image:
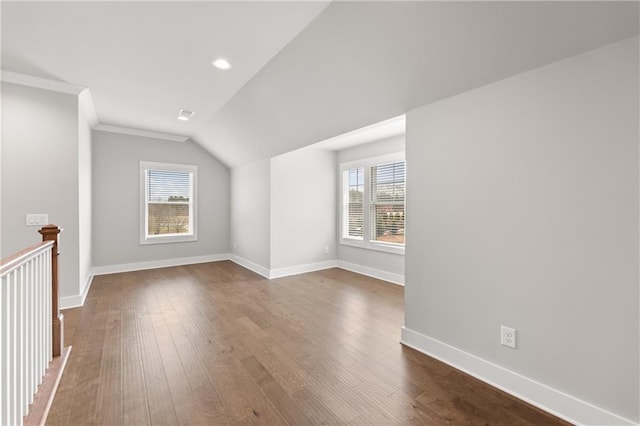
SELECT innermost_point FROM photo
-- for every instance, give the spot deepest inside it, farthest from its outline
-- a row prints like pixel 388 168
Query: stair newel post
pixel 50 233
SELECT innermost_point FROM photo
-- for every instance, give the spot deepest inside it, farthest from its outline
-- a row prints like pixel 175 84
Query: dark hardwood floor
pixel 217 344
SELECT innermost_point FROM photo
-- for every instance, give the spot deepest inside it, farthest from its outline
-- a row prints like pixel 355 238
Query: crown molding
pixel 40 83
pixel 83 93
pixel 140 132
pixel 85 102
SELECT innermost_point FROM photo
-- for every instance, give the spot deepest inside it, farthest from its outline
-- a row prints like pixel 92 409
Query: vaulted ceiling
pixel 302 71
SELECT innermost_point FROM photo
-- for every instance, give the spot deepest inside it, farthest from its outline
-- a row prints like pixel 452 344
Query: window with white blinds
pixel 168 200
pixel 386 203
pixel 373 203
pixel 355 216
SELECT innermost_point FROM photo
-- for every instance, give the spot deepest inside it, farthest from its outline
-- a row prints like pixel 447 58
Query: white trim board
pixel 254 267
pixel 41 83
pixel 140 132
pixel 310 267
pixel 302 269
pixel 372 272
pixel 538 394
pixel 154 264
pixel 77 300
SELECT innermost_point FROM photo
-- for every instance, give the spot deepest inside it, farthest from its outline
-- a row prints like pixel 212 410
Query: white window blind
pixel 387 202
pixel 355 208
pixel 168 202
pixel 373 203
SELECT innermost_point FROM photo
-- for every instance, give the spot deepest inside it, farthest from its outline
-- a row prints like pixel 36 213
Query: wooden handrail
pixel 10 263
pixel 50 233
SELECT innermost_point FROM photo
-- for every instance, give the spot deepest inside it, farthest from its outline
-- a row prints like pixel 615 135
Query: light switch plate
pixel 37 219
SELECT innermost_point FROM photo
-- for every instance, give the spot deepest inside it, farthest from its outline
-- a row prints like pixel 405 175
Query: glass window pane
pixel 388 223
pixel 168 218
pixel 387 213
pixel 168 195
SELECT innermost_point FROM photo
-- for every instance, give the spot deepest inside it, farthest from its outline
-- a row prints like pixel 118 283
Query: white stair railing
pixel 27 288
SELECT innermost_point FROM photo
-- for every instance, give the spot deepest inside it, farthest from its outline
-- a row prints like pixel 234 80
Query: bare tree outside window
pixel 168 202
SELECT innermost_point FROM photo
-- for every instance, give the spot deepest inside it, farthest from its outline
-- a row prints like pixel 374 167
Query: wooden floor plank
pixel 159 402
pixel 134 393
pixel 216 344
pixel 109 405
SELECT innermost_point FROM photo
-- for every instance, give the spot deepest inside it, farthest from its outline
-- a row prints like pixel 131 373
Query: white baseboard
pixel 258 269
pixel 310 267
pixel 252 266
pixel 77 300
pixel 68 302
pixel 301 269
pixel 154 264
pixel 540 395
pixel 87 287
pixel 353 267
pixel 372 272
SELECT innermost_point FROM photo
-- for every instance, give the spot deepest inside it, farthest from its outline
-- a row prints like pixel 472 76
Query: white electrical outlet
pixel 508 336
pixel 37 219
pixel 326 250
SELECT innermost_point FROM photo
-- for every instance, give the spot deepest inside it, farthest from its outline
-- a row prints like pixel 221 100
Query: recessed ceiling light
pixel 221 64
pixel 185 115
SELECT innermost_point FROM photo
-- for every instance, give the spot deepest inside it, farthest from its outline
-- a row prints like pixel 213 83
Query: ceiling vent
pixel 185 115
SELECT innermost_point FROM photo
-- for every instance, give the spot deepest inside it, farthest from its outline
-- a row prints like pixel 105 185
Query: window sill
pixel 372 245
pixel 169 239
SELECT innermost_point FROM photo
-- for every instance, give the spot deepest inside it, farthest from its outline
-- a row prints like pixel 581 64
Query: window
pixel 373 206
pixel 387 202
pixel 355 213
pixel 168 202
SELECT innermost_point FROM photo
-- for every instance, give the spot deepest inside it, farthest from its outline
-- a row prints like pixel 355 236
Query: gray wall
pixel 388 262
pixel 40 172
pixel 303 206
pixel 523 211
pixel 116 199
pixel 250 212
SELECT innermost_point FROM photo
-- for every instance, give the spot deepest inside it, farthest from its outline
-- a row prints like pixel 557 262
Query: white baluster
pixel 19 340
pixel 3 350
pixel 48 316
pixel 29 295
pixel 25 330
pixel 12 348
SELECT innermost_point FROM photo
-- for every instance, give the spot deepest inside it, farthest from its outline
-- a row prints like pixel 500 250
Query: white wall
pixel 116 200
pixel 523 211
pixel 373 149
pixel 40 173
pixel 84 199
pixel 250 214
pixel 303 205
pixel 391 264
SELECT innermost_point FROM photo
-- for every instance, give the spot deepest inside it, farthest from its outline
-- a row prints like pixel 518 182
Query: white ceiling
pixel 303 72
pixel 143 61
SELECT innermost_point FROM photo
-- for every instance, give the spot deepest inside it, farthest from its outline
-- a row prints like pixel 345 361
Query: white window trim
pixel 170 238
pixel 367 243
